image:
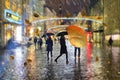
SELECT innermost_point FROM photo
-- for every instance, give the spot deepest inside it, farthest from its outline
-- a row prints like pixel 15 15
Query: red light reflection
pixel 89 51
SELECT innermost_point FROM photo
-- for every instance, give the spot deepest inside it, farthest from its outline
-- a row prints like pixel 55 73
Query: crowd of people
pixel 63 48
pixel 49 47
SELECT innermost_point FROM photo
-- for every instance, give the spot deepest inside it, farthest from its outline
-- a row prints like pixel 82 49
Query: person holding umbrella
pixel 77 49
pixel 63 49
pixel 49 46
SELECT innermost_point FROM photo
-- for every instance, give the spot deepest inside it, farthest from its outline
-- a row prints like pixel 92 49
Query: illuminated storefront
pixel 29 30
pixel 8 31
pixel 12 26
pixel 32 31
pixel 11 21
pixel 98 35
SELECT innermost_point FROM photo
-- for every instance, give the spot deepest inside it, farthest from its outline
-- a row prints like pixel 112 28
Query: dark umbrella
pixel 47 34
pixel 62 33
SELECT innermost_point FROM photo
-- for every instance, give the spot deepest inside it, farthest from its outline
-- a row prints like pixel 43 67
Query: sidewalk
pixel 32 64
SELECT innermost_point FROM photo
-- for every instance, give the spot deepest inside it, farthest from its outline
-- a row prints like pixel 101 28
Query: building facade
pixel 11 21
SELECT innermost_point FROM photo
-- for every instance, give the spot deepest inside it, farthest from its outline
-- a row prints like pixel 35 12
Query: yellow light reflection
pixel 31 63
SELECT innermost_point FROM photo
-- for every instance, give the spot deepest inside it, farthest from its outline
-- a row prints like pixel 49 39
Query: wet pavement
pixel 96 62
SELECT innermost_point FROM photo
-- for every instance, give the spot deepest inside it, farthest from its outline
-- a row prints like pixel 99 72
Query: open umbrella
pixel 47 34
pixel 77 36
pixel 62 33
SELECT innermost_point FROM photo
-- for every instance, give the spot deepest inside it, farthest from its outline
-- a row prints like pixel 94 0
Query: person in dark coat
pixel 49 46
pixel 35 41
pixel 110 41
pixel 77 49
pixel 63 49
pixel 40 42
pixel 29 42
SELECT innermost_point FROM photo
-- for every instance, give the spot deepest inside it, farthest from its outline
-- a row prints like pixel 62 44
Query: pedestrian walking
pixel 29 42
pixel 35 41
pixel 110 41
pixel 40 42
pixel 63 49
pixel 77 49
pixel 49 46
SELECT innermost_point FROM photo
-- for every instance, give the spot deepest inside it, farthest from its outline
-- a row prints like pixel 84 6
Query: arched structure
pixel 95 19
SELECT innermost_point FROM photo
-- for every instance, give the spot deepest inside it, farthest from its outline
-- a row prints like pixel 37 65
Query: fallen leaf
pixel 11 57
pixel 25 63
pixel 29 60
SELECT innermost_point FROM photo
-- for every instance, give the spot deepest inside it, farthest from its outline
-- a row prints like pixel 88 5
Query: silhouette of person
pixel 29 42
pixel 63 49
pixel 40 42
pixel 35 41
pixel 49 45
pixel 110 41
pixel 77 49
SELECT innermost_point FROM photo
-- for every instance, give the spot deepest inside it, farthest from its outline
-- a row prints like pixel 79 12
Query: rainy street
pixel 95 63
pixel 59 39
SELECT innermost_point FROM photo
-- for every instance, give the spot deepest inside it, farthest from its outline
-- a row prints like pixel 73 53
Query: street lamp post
pixel 23 16
pixel 60 13
pixel 103 38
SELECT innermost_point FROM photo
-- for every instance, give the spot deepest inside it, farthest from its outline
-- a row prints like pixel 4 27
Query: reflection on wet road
pixel 96 62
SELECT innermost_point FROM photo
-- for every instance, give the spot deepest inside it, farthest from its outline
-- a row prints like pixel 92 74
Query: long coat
pixel 63 48
pixel 110 41
pixel 49 43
